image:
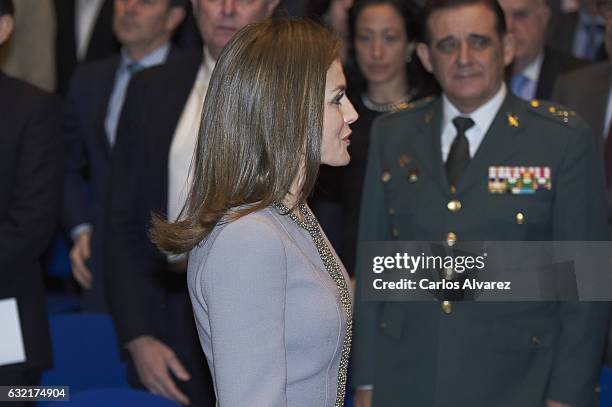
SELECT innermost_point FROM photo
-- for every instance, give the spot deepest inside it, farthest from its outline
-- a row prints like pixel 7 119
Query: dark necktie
pixel 459 155
pixel 608 156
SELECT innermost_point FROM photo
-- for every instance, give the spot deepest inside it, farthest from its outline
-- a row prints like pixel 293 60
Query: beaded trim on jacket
pixel 311 225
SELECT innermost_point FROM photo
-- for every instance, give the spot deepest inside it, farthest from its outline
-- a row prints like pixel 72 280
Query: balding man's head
pixel 219 20
pixel 527 20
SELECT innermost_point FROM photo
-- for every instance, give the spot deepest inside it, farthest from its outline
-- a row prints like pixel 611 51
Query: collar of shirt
pixel 85 14
pixel 208 63
pixel 204 72
pixel 532 71
pixel 156 57
pixel 483 117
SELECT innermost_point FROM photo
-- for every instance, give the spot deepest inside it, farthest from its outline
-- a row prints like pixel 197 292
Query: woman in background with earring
pixel 383 35
pixel 271 299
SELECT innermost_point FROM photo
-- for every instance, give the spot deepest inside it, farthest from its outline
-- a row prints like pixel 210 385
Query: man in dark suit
pixel 30 190
pixel 428 180
pixel 155 141
pixel 92 109
pixel 84 33
pixel 589 92
pixel 535 66
pixel 579 33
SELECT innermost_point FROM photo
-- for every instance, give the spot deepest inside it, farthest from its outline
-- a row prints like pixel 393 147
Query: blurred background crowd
pixel 110 79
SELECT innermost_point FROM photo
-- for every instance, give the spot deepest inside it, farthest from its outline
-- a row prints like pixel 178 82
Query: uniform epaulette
pixel 554 112
pixel 411 107
pixel 417 104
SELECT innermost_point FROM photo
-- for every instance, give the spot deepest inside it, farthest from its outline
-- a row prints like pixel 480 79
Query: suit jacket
pixel 563 31
pixel 586 91
pixel 30 189
pixel 554 64
pixel 88 160
pixel 145 297
pixel 102 43
pixel 278 291
pixel 476 354
pixel 139 187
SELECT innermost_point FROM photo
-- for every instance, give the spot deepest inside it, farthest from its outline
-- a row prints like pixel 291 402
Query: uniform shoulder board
pixel 410 107
pixel 419 103
pixel 554 112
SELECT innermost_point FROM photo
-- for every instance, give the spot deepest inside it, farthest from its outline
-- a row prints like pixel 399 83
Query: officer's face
pixel 527 20
pixel 219 20
pixel 337 115
pixel 466 54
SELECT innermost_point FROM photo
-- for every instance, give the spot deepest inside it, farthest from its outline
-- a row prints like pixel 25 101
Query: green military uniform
pixel 480 354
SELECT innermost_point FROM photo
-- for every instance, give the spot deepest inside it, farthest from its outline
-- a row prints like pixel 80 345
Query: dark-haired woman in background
pixel 389 77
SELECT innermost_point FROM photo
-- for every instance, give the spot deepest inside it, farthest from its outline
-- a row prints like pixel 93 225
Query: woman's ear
pixel 6 27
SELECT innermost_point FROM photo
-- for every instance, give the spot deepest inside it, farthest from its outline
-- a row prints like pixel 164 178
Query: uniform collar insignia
pixel 513 120
pixel 428 116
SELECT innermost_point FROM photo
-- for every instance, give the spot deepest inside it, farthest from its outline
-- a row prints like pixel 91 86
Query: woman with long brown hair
pixel 270 296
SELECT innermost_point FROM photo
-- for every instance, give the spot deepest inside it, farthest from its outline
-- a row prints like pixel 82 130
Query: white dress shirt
pixel 483 117
pixel 85 14
pixel 532 72
pixel 185 139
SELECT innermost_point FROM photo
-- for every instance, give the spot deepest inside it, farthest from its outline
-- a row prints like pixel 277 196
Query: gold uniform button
pixel 535 340
pixel 447 307
pixel 449 273
pixel 535 103
pixel 451 238
pixel 520 218
pixel 412 177
pixel 386 176
pixel 454 206
pixel 391 211
pixel 453 189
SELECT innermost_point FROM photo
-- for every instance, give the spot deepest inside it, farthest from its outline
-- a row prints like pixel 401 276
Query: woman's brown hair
pixel 263 112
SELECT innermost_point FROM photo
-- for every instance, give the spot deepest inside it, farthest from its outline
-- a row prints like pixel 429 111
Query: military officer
pixel 428 179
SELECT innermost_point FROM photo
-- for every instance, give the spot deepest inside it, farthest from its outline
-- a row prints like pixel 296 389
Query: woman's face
pixel 338 114
pixel 381 43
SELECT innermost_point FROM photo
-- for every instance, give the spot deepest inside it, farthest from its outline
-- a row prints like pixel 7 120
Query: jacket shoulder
pixel 19 96
pixel 410 111
pixel 180 64
pixel 586 74
pixel 557 114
